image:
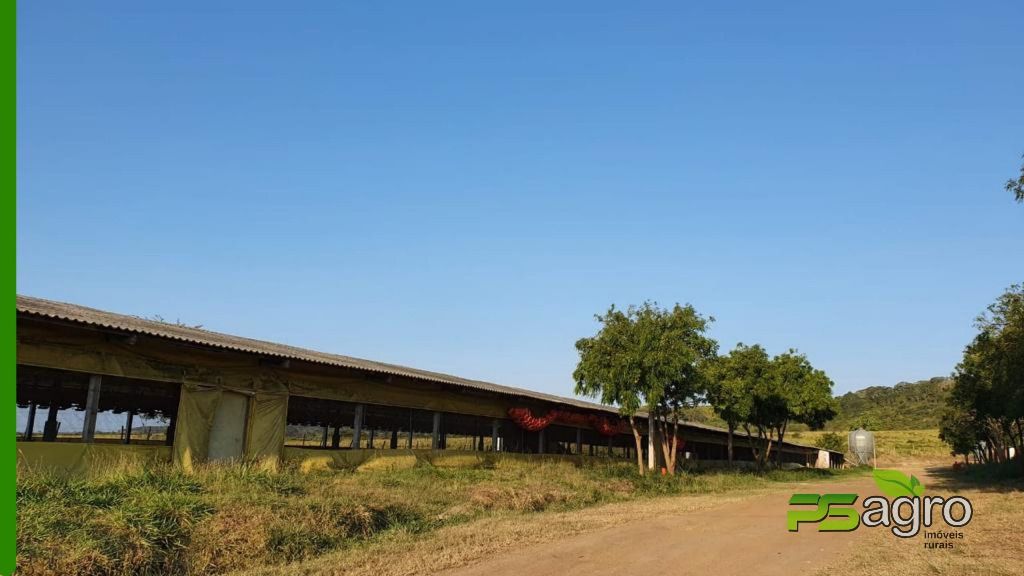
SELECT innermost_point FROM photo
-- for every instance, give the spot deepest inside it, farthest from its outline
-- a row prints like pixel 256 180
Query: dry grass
pixel 402 553
pixel 992 545
pixel 894 447
pixel 158 520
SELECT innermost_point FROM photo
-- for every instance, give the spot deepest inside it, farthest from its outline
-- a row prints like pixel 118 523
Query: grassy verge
pixel 223 519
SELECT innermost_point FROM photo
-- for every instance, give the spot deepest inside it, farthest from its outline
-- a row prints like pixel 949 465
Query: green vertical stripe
pixel 8 523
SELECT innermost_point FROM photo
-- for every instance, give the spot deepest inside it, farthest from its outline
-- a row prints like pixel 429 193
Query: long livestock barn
pixel 221 397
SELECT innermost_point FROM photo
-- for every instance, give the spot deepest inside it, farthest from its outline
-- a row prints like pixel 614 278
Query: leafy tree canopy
pixel 808 391
pixel 645 355
pixel 732 378
pixel 987 400
pixel 1016 187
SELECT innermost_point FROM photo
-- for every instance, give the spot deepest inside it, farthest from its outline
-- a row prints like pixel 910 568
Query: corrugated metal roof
pixel 133 324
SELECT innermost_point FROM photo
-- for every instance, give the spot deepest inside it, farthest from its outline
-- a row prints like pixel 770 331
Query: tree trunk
pixel 778 450
pixel 669 441
pixel 652 452
pixel 1020 435
pixel 765 436
pixel 732 430
pixel 1020 443
pixel 754 447
pixel 662 440
pixel 638 440
pixel 675 441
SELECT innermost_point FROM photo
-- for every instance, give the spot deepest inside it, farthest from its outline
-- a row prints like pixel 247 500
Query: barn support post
pixel 323 439
pixel 31 422
pixel 172 423
pixel 435 437
pixel 357 427
pixel 394 438
pixel 579 441
pixel 336 437
pixel 494 435
pixel 611 452
pixel 92 404
pixel 540 441
pixel 51 426
pixel 408 442
pixel 128 426
pixel 370 442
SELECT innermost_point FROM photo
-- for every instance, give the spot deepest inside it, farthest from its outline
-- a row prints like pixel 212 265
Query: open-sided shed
pixel 228 397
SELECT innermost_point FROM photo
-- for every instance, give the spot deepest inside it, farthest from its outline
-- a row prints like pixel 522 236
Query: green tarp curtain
pixel 196 409
pixel 265 425
pixel 268 418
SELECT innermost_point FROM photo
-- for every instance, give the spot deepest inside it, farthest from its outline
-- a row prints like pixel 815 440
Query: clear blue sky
pixel 461 186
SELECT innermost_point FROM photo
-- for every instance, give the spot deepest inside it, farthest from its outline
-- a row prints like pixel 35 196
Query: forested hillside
pixel 905 406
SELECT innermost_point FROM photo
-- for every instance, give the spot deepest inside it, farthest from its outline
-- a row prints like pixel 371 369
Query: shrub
pixel 831 441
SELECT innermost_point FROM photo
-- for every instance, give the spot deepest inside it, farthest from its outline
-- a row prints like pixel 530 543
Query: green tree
pixel 959 429
pixel 1016 187
pixel 831 441
pixel 765 395
pixel 731 379
pixel 769 410
pixel 647 356
pixel 807 393
pixel 989 381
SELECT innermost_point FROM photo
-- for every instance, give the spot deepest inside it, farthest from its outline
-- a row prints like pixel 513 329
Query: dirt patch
pixel 727 539
pixel 586 541
pixel 992 544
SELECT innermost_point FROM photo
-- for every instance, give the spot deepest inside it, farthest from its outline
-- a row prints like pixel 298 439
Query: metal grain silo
pixel 862 446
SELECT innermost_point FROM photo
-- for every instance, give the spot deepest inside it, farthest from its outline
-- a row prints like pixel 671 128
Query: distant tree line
pixel 985 412
pixel 658 360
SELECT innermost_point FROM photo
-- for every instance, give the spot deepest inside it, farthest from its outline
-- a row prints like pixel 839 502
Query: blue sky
pixel 461 186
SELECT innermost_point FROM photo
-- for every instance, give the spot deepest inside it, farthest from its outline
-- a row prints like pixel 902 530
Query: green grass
pixel 162 521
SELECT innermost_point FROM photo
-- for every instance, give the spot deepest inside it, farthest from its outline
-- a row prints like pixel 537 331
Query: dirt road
pixel 746 537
